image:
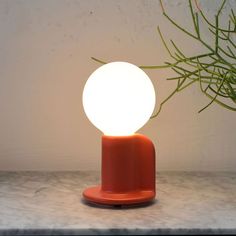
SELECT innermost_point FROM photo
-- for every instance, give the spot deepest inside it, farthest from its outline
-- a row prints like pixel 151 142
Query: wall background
pixel 45 49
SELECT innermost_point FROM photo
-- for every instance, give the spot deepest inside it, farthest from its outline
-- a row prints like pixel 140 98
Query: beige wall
pixel 45 50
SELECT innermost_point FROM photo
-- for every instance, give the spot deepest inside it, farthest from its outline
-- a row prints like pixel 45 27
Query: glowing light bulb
pixel 119 98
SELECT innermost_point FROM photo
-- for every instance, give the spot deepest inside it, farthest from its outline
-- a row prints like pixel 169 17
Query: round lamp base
pixel 96 195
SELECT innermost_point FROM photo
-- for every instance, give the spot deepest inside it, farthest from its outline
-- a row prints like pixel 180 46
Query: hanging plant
pixel 214 70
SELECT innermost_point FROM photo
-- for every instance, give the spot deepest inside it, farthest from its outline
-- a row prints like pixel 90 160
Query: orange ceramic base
pixel 128 172
pixel 96 195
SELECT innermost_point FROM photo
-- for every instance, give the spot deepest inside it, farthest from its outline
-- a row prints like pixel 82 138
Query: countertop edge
pixel 120 231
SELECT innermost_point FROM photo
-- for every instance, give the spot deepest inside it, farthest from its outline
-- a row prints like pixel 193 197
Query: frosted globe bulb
pixel 119 98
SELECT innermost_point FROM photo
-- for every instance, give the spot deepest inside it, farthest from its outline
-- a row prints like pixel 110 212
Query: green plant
pixel 214 70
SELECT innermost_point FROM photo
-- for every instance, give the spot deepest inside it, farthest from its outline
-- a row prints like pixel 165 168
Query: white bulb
pixel 119 98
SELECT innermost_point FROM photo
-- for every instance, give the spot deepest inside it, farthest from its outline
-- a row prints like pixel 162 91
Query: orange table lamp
pixel 119 98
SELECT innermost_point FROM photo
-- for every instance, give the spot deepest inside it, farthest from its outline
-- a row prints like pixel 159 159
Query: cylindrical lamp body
pixel 128 171
pixel 128 163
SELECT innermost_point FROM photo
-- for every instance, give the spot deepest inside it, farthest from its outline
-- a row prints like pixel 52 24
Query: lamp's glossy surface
pixel 128 171
pixel 119 98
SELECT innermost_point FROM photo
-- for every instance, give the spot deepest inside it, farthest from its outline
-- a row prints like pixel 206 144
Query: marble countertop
pixel 46 203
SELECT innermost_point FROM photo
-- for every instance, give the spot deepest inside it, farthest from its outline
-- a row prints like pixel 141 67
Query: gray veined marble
pixel 44 203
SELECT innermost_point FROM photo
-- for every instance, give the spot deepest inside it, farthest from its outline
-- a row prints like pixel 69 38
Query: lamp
pixel 119 98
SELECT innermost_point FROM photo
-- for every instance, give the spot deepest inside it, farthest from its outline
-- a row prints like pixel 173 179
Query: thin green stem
pixel 214 98
pixel 98 60
pixel 166 99
pixel 196 26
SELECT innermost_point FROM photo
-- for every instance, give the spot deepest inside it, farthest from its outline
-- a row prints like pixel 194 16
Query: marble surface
pixel 46 203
